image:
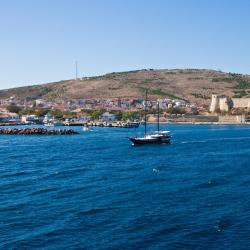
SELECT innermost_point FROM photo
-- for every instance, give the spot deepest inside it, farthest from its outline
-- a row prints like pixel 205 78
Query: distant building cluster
pixel 108 104
pixel 78 106
pixel 6 116
pixel 222 103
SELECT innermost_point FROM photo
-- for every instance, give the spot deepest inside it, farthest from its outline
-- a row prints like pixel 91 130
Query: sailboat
pixel 158 137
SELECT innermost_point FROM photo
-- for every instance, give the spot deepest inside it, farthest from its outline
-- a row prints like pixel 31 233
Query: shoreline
pixel 170 123
pixel 202 123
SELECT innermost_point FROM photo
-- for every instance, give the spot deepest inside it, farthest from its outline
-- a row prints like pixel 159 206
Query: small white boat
pixel 86 128
pixel 49 124
pixel 50 121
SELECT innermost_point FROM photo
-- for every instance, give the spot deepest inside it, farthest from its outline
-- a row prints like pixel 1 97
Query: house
pixel 6 116
pixel 9 118
pixel 108 117
pixel 30 119
pixel 41 103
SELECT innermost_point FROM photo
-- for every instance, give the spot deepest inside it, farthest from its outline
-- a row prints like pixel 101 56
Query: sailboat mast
pixel 158 117
pixel 76 64
pixel 145 114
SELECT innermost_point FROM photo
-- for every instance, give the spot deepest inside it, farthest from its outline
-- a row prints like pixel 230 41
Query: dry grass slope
pixel 194 85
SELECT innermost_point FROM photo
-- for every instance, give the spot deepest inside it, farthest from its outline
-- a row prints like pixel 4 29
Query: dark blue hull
pixel 140 141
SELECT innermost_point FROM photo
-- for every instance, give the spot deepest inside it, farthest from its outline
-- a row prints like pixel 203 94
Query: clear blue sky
pixel 40 40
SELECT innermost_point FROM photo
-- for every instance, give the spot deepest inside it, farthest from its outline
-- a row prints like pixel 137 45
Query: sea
pixel 96 191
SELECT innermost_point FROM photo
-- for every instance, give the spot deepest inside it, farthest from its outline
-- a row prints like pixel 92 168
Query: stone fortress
pixel 224 103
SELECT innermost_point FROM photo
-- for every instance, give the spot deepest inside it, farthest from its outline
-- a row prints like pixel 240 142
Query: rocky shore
pixel 36 131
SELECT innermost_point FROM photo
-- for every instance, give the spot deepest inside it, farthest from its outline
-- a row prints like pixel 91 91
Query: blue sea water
pixel 95 191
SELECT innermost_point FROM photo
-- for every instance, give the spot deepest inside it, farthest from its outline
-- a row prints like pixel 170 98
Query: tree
pixel 118 115
pixel 176 110
pixel 68 114
pixel 130 115
pixel 127 115
pixel 14 108
pixel 41 112
pixel 96 114
pixel 27 111
pixel 58 114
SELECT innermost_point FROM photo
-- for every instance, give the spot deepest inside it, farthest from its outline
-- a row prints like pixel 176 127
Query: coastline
pixel 202 123
pixel 170 123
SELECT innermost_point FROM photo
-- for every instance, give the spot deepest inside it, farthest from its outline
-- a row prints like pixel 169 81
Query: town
pixel 13 111
pixel 81 111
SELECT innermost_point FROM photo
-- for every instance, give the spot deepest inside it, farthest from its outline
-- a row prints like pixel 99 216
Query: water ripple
pixel 95 191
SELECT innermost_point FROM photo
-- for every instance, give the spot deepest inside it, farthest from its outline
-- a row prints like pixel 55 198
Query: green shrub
pixel 14 108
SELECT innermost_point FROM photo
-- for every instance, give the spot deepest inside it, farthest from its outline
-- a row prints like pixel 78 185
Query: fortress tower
pixel 225 103
pixel 220 103
pixel 214 103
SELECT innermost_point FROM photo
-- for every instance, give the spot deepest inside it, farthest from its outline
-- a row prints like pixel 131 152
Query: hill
pixel 193 85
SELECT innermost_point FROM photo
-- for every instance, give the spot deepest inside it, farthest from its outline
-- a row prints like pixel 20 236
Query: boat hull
pixel 143 141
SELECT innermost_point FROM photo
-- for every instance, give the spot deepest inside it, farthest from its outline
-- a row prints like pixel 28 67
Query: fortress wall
pixel 231 118
pixel 197 118
pixel 241 102
pixel 224 103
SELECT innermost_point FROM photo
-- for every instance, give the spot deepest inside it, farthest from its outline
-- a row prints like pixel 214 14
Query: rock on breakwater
pixel 36 131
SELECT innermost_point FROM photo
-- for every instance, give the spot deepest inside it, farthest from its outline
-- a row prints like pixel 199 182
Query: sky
pixel 41 40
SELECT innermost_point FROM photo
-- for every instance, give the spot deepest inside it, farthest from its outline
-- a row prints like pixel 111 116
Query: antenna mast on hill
pixel 76 64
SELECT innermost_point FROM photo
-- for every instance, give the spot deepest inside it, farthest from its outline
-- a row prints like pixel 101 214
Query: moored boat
pixel 158 137
pixel 86 128
pixel 50 121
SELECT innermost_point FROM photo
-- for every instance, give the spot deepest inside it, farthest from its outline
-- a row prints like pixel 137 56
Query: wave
pixel 43 191
pixel 217 139
pixel 18 173
pixel 93 211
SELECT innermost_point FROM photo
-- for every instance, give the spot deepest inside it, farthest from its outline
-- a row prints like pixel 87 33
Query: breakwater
pixel 36 131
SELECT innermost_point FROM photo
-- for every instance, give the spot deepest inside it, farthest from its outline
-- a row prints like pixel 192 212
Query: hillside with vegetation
pixel 193 85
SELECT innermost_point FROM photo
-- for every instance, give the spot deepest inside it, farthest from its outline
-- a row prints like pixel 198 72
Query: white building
pixel 27 119
pixel 108 117
pixel 11 118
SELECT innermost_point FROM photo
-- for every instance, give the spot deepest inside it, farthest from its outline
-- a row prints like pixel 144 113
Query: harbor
pixel 125 125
